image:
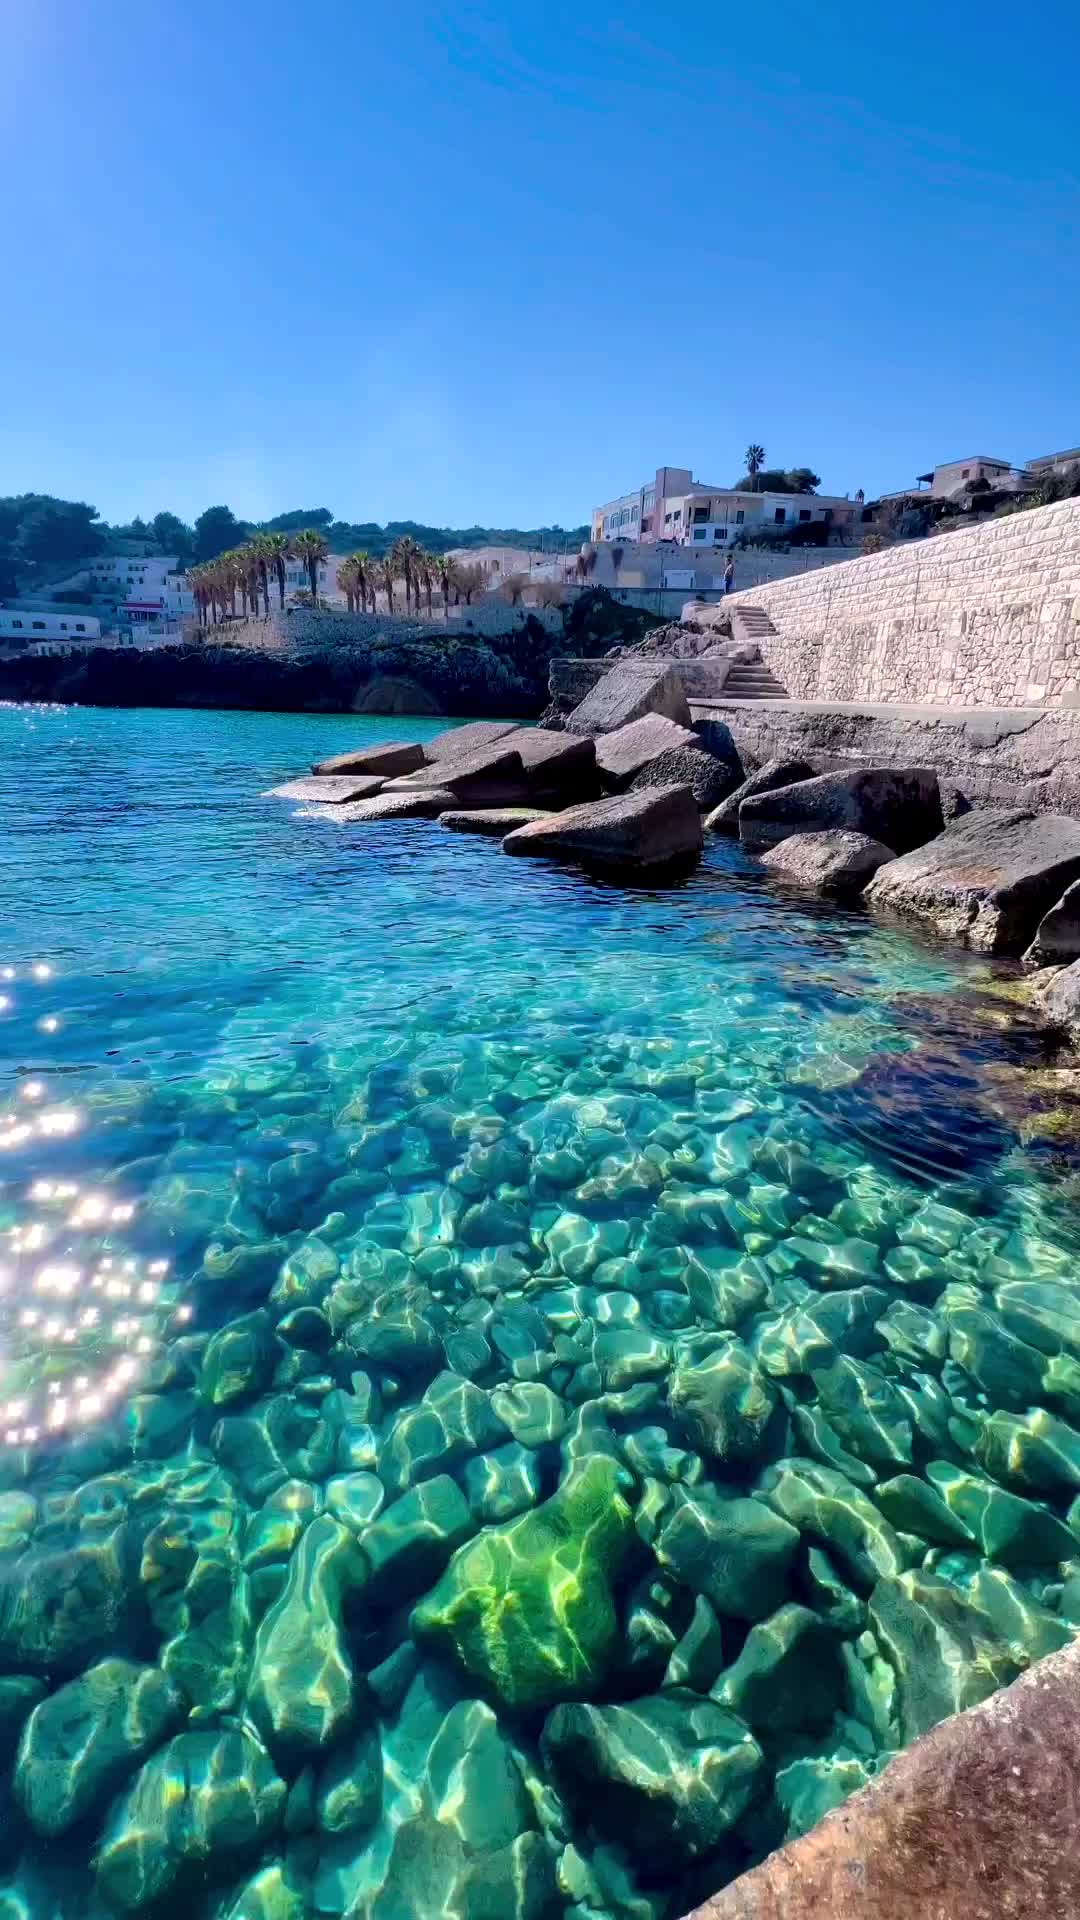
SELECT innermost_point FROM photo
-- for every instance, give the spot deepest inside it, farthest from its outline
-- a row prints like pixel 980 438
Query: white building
pixel 144 588
pixel 679 508
pixel 30 630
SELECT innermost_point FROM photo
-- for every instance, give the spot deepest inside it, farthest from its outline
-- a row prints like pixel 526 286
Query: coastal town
pixel 665 542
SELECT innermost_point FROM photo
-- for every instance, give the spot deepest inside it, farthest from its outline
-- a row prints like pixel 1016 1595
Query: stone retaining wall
pixel 305 631
pixel 1026 757
pixel 570 680
pixel 988 616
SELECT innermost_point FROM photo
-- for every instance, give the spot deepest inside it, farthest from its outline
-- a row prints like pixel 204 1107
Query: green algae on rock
pixel 527 1608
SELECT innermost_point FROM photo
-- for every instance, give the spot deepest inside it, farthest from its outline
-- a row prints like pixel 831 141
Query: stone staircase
pixel 749 677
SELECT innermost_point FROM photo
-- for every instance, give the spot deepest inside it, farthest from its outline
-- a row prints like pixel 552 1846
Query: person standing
pixel 729 575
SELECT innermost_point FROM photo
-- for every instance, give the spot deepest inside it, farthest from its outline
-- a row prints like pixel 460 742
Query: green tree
pixel 50 531
pixel 311 547
pixel 405 555
pixel 172 535
pixel 216 531
pixel 264 559
pixel 755 460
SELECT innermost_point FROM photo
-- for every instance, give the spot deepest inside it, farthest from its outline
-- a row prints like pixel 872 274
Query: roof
pixel 1049 459
pixel 969 459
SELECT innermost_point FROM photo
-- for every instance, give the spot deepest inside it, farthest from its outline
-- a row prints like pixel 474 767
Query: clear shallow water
pixel 545 1385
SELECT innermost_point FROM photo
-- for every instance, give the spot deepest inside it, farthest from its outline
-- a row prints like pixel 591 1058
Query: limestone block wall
pixel 989 616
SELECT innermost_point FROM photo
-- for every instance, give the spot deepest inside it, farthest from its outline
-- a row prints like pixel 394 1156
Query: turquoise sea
pixel 517 1394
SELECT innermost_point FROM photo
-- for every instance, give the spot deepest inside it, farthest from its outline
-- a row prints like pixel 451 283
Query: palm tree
pixel 250 565
pixel 405 555
pixel 385 573
pixel 755 460
pixel 360 561
pixel 425 574
pixel 310 546
pixel 348 581
pixel 276 548
pixel 264 560
pixel 444 573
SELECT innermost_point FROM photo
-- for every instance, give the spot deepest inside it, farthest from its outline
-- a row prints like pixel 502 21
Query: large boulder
pixel 1057 939
pixel 488 777
pixel 560 767
pixel 835 861
pixel 331 789
pixel 620 756
pixel 632 689
pixel 708 779
pixel 496 822
pixel 420 803
pixel 390 758
pixel 627 831
pixel 988 880
pixel 772 774
pixel 665 1776
pixel 457 743
pixel 1055 997
pixel 900 806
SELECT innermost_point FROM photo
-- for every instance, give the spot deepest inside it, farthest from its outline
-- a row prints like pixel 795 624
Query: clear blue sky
pixel 496 262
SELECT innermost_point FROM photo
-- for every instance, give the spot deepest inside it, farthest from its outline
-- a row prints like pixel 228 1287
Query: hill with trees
pixel 40 533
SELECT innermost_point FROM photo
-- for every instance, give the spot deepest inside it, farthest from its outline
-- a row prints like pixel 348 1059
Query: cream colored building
pixel 678 508
pixel 953 475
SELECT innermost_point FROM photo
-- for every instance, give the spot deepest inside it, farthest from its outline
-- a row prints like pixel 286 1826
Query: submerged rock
pixel 666 1776
pixel 736 1551
pixel 527 1608
pixel 194 1812
pixel 788 1674
pixel 302 1686
pixel 722 1401
pixel 80 1744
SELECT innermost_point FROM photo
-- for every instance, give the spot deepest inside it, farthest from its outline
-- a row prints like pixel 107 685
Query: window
pixel 965 473
pixel 80 626
pixel 646 524
pixel 677 515
pixel 16 623
pixel 700 514
pixel 719 533
pixel 804 513
pixel 633 513
pixel 700 533
pixel 38 625
pixel 667 519
pixel 739 516
pixel 63 626
pixel 780 516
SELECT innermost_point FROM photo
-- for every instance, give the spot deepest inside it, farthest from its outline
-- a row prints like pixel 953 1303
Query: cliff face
pixel 455 677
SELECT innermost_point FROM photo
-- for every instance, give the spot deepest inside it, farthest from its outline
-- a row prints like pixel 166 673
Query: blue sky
pixel 495 263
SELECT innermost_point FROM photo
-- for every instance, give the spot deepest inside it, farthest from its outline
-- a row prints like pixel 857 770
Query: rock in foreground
pixel 900 806
pixel 708 778
pixel 773 774
pixel 489 777
pixel 630 690
pixel 333 789
pixel 1057 941
pixel 391 758
pixel 627 832
pixel 561 765
pixel 837 861
pixel 419 803
pixel 1055 996
pixel 976 1821
pixel 988 880
pixel 457 743
pixel 637 747
pixel 495 821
